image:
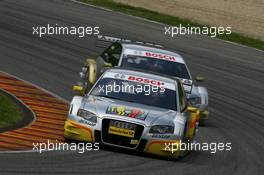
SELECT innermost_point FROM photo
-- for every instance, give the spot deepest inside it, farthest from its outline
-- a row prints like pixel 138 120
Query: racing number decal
pixel 126 111
pixel 120 110
pixel 134 113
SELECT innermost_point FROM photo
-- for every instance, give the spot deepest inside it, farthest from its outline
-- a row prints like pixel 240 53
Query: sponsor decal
pixel 121 131
pixel 146 81
pixel 161 136
pixel 143 80
pixel 127 112
pixel 156 55
pixel 122 128
pixel 160 56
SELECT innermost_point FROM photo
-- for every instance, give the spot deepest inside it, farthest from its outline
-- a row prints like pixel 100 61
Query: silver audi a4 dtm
pixel 149 57
pixel 134 110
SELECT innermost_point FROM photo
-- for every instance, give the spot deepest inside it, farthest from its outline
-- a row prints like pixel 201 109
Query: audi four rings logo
pixel 123 125
pixel 122 76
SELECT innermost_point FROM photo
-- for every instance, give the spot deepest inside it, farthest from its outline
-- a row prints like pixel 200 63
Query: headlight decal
pixel 91 117
pixel 161 136
pixel 162 129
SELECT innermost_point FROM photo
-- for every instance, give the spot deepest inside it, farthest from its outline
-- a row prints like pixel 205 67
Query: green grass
pixel 172 20
pixel 9 112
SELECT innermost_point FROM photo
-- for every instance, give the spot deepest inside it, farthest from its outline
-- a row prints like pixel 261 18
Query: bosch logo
pixel 145 81
pixel 160 56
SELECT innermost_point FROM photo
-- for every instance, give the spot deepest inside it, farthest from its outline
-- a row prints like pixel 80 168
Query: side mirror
pixel 195 111
pixel 199 78
pixel 91 70
pixel 78 89
pixel 192 109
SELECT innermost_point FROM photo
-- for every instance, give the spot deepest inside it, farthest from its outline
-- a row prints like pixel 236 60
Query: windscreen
pixel 135 92
pixel 158 65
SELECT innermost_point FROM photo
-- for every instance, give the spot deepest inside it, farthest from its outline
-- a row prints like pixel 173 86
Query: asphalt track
pixel 234 78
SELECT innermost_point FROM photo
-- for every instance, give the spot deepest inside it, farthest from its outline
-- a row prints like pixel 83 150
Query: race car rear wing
pixel 110 39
